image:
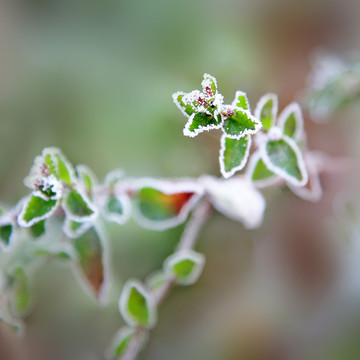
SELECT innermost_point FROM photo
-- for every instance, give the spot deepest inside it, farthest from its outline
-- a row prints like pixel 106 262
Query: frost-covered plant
pixel 62 217
pixel 332 84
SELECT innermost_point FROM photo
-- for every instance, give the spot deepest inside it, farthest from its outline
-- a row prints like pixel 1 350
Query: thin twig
pixel 187 242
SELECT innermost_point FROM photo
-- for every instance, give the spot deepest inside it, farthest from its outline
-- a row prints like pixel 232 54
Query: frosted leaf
pixel 73 229
pixel 55 249
pixel 200 122
pixel 6 229
pixel 162 204
pixel 233 154
pixel 186 109
pixel 284 158
pixel 87 178
pixel 49 173
pixel 201 108
pixel 92 269
pixel 239 122
pixel 114 177
pixel 186 266
pixel 241 101
pixel 121 341
pixel 312 191
pixel 291 122
pixel 78 206
pixel 258 173
pixel 266 110
pixel 236 198
pixel 117 208
pixel 137 305
pixel 209 85
pixel 36 209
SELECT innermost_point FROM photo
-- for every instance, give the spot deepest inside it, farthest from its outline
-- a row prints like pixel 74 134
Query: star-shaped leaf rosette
pixel 206 111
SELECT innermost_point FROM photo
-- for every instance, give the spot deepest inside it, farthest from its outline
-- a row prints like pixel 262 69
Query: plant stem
pixel 187 242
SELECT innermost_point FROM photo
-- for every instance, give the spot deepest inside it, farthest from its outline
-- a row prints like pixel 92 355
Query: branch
pixel 187 242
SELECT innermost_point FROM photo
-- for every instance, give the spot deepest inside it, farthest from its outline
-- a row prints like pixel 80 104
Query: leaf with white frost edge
pixel 312 191
pixel 137 305
pixel 282 156
pixel 238 123
pixel 241 101
pixel 233 154
pixel 36 209
pixel 73 229
pixel 87 178
pixel 291 122
pixel 7 229
pixel 93 270
pixel 186 266
pixel 78 207
pixel 258 173
pixel 238 199
pixel 200 122
pixel 266 110
pixel 121 341
pixel 117 209
pixel 114 177
pixel 162 204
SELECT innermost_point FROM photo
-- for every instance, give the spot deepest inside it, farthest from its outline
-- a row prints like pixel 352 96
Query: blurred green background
pixel 95 78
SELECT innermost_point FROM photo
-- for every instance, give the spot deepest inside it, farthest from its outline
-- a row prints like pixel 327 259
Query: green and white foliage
pixel 137 305
pixel 206 111
pixel 121 341
pixel 92 267
pixel 332 85
pixel 185 266
pixel 279 143
pixel 115 204
pixel 162 204
pixel 237 199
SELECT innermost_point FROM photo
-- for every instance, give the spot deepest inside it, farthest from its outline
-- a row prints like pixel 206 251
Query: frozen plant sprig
pixel 63 217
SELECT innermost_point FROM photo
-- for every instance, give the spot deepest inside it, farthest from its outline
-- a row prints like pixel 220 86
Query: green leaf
pixel 87 178
pixel 92 268
pixel 117 209
pixel 291 122
pixel 78 207
pixel 36 209
pixel 241 101
pixel 233 154
pixel 186 109
pixel 21 292
pixel 74 229
pixel 258 172
pixel 185 266
pixel 38 229
pixel 200 122
pixel 121 341
pixel 160 204
pixel 284 158
pixel 239 123
pixel 137 305
pixel 5 233
pixel 59 165
pixel 266 110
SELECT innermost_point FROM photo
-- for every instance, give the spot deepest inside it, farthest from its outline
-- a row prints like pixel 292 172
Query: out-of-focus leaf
pixel 93 263
pixel 137 305
pixel 36 209
pixel 185 266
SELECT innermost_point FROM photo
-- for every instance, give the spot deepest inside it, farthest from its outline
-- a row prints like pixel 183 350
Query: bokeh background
pixel 95 78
